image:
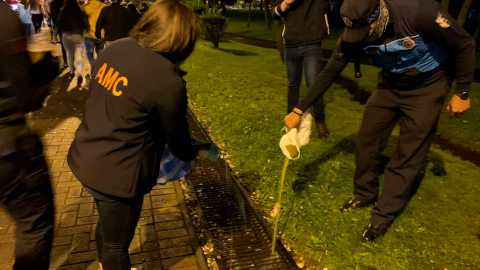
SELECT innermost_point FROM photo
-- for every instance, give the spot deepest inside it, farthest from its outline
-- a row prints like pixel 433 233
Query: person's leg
pixel 50 25
pixel 27 194
pixel 312 64
pixel 99 45
pixel 421 110
pixel 89 46
pixel 37 22
pixel 69 46
pixel 79 48
pixel 380 117
pixel 294 73
pixel 64 52
pixel 118 219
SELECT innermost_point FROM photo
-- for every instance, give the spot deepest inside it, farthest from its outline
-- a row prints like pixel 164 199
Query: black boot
pixel 375 231
pixel 356 205
pixel 322 130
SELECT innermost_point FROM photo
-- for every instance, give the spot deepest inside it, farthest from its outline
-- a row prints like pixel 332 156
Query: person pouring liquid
pixel 414 42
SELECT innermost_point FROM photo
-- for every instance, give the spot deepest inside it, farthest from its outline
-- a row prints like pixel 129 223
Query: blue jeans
pixel 308 58
pixel 92 45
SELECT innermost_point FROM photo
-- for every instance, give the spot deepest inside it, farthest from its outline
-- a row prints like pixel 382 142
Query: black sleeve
pixel 277 11
pixel 99 26
pixel 173 112
pixel 434 24
pixel 337 63
pixel 60 20
pixel 86 23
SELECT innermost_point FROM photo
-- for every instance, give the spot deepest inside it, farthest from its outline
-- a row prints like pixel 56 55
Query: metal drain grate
pixel 241 239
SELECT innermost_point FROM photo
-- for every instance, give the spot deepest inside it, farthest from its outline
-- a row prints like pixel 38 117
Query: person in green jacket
pixel 92 43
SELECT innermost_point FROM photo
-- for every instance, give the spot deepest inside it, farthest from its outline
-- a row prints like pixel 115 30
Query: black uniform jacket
pixel 137 104
pixel 305 22
pixel 409 19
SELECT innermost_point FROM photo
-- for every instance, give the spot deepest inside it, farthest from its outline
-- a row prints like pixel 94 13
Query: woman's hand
pixel 293 119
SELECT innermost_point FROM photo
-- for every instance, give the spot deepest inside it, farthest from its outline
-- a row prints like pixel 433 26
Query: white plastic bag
pixel 296 138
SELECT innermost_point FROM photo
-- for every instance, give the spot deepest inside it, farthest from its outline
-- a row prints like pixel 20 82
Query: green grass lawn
pixel 239 92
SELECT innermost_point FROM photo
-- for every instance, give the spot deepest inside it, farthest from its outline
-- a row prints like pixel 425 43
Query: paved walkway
pixel 164 238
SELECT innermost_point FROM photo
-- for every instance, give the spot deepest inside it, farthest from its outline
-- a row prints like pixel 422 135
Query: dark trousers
pixel 298 59
pixel 26 192
pixel 417 111
pixel 37 20
pixel 64 52
pixel 93 45
pixel 116 225
pixel 27 28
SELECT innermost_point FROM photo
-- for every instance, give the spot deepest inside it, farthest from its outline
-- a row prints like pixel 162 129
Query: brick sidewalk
pixel 164 238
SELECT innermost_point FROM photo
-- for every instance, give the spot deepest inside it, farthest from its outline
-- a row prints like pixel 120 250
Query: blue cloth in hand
pixel 172 168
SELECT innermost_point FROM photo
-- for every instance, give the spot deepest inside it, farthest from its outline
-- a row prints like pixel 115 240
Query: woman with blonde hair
pixel 137 105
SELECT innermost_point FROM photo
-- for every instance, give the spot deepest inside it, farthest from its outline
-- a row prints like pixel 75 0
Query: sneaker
pixel 356 205
pixel 71 75
pixel 80 79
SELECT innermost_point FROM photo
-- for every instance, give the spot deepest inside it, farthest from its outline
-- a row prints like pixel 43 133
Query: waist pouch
pixel 411 55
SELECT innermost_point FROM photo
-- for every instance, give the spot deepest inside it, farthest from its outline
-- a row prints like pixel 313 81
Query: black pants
pixel 37 20
pixel 116 225
pixel 64 52
pixel 26 192
pixel 417 111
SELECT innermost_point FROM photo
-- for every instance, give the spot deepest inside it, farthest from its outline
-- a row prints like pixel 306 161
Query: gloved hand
pixel 208 151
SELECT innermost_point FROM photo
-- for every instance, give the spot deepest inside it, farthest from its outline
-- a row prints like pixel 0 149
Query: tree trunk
pixel 462 17
pixel 267 18
pixel 279 30
pixel 249 13
pixel 261 5
pixel 445 4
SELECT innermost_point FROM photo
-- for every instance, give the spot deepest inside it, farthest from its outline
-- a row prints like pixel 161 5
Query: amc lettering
pixel 110 80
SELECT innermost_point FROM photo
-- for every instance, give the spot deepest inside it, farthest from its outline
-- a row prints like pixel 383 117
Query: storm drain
pixel 240 236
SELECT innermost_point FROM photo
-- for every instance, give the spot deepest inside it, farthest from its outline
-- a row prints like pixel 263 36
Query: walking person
pixel 37 15
pixel 92 10
pixel 50 22
pixel 72 23
pixel 129 118
pixel 133 12
pixel 25 17
pixel 55 7
pixel 412 41
pixel 116 21
pixel 306 26
pixel 25 188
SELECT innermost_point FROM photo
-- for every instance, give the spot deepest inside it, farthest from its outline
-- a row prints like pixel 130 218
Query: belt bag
pixel 405 54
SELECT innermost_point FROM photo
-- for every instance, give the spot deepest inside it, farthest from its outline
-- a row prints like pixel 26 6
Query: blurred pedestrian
pixel 93 44
pixel 306 26
pixel 55 7
pixel 133 12
pixel 72 23
pixel 25 17
pixel 115 20
pixel 50 22
pixel 25 189
pixel 37 15
pixel 129 118
pixel 144 8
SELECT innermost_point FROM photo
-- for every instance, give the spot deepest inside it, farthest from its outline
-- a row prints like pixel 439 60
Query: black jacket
pixel 305 22
pixel 408 18
pixel 116 21
pixel 72 21
pixel 137 105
